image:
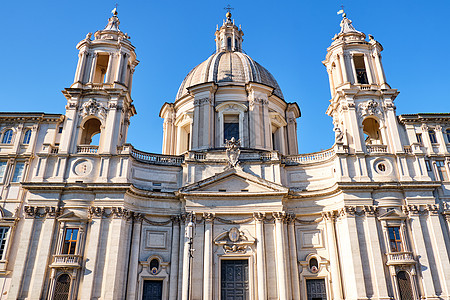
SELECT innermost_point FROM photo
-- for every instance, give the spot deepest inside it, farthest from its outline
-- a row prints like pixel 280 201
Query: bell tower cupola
pixel 99 103
pixel 362 102
pixel 229 36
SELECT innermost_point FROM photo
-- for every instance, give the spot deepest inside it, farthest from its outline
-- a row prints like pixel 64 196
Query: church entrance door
pixel 152 290
pixel 234 279
pixel 315 289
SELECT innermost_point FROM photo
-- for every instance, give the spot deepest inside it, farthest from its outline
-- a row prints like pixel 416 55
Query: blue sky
pixel 289 38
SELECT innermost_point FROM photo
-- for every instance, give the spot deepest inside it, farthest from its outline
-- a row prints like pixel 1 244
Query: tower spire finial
pixel 228 8
pixel 114 11
pixel 341 12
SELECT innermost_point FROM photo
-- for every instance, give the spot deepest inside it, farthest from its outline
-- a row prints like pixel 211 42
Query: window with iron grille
pixel 70 241
pixel 395 241
pixel 3 241
pixel 62 287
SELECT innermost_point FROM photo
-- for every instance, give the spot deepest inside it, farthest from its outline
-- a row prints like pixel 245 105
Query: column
pixel 336 281
pixel 421 252
pixel 195 134
pixel 17 139
pixel 438 241
pixel 90 256
pixel 375 254
pixel 281 259
pixel 119 67
pixel 185 288
pixel 181 253
pixel 113 283
pixel 173 280
pixel 343 67
pixel 260 255
pixel 380 70
pixel 93 65
pixel 134 258
pixel 22 254
pixel 351 253
pixel 42 256
pixel 295 282
pixel 207 255
pixel 352 65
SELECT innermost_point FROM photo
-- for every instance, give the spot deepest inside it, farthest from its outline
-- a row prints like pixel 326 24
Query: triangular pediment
pixel 71 216
pixel 234 180
pixel 393 214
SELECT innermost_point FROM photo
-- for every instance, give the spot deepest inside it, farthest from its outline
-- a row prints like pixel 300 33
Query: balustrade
pixel 400 258
pixel 87 149
pixel 66 260
pixel 309 158
pixel 376 148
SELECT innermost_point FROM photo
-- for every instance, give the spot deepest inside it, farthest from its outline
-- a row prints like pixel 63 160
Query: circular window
pixel 381 167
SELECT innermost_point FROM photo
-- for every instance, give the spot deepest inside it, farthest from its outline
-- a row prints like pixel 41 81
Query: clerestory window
pixel 7 137
pixel 432 136
pixel 27 137
pixel 231 127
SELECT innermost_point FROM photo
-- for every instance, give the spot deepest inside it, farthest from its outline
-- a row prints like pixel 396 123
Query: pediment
pixel 233 181
pixel 72 216
pixel 393 214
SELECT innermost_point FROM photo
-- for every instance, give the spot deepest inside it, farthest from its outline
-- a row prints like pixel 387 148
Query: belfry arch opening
pixel 372 133
pixel 90 134
pixel 101 67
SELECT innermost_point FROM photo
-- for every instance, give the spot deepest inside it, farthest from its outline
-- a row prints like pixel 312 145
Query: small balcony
pixel 87 149
pixel 400 258
pixel 66 261
pixel 376 148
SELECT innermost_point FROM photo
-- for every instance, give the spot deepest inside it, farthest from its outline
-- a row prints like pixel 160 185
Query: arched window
pixel 372 134
pixel 62 287
pixel 90 129
pixel 27 137
pixel 432 135
pixel 229 44
pixel 154 266
pixel 7 137
pixel 404 286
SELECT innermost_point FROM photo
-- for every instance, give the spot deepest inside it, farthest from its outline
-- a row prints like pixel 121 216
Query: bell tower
pixel 362 103
pixel 99 104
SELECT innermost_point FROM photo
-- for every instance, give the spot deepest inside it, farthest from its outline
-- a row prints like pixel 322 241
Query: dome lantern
pixel 229 36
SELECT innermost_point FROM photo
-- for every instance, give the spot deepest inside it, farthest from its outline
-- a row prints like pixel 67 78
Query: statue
pixel 233 151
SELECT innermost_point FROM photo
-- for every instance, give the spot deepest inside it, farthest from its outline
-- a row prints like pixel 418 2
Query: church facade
pixel 229 210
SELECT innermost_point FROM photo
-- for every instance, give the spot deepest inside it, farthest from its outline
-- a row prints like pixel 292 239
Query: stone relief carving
pixel 234 241
pixel 369 108
pixel 92 107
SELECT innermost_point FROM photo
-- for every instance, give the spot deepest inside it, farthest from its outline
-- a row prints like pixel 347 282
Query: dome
pixel 229 66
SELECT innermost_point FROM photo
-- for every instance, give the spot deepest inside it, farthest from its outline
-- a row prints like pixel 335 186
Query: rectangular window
pixel 419 138
pixel 3 165
pixel 70 241
pixel 428 165
pixel 447 133
pixel 432 135
pixel 18 172
pixel 3 239
pixel 440 165
pixel 231 127
pixel 360 67
pixel 395 241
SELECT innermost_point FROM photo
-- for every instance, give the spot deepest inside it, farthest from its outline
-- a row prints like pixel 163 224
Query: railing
pixel 407 149
pixel 199 156
pixel 67 260
pixel 54 149
pixel 309 158
pixel 157 158
pixel 376 148
pixel 399 258
pixel 87 149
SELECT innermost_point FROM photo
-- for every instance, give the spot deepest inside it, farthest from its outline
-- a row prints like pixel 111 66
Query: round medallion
pixel 382 167
pixel 82 167
pixel 234 234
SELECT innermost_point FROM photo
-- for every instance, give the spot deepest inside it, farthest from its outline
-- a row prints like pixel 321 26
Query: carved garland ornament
pixel 234 241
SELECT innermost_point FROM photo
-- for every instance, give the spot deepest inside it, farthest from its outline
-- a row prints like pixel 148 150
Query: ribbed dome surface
pixel 228 67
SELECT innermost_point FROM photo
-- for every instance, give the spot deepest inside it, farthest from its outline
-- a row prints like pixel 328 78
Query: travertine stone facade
pixel 87 218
